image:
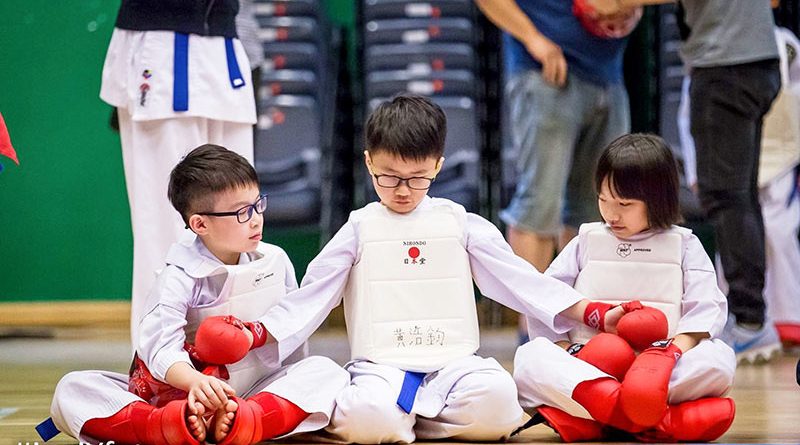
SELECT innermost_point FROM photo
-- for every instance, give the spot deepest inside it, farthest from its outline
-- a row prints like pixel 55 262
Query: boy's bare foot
pixel 223 420
pixel 195 423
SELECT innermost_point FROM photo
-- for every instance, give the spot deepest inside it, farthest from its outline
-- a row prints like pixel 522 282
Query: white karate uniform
pixel 780 205
pixel 471 398
pixel 704 371
pixel 84 395
pixel 138 80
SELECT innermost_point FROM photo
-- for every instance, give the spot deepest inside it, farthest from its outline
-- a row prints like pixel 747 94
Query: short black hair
pixel 408 126
pixel 207 170
pixel 641 166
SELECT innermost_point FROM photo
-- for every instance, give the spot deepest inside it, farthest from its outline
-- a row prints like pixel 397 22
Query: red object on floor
pixel 789 333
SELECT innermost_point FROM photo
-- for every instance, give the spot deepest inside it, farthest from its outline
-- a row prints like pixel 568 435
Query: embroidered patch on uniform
pixel 147 74
pixel 414 254
pixel 143 89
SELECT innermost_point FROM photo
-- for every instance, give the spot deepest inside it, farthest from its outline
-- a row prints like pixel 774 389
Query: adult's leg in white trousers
pixel 781 223
pixel 234 136
pixel 150 150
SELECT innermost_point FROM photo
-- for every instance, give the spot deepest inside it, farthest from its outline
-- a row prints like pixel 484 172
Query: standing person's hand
pixel 606 7
pixel 554 65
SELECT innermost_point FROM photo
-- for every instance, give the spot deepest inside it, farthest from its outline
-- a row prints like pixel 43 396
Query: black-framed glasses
pixel 415 182
pixel 245 213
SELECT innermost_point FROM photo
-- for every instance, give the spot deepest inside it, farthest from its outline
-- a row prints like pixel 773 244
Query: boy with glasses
pixel 200 372
pixel 405 268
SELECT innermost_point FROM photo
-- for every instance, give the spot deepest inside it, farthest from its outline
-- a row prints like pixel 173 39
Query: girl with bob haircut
pixel 595 386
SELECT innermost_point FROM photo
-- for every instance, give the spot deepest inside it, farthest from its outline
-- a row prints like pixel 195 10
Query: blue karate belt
pixel 411 383
pixel 47 429
pixel 180 81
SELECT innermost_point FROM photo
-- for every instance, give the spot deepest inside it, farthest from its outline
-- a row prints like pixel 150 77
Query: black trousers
pixel 728 105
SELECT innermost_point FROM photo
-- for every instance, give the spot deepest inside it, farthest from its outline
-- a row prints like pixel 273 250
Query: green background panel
pixel 64 220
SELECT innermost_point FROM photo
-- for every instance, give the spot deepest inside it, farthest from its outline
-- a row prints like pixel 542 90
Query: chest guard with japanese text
pixel 409 301
pixel 615 271
pixel 249 290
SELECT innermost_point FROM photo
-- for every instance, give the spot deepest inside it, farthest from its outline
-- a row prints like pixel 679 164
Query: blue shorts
pixel 558 135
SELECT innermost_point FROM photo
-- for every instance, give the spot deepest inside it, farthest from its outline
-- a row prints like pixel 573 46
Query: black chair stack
pixel 428 48
pixel 296 99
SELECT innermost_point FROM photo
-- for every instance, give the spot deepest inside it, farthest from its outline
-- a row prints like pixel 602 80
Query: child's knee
pixel 370 418
pixel 494 409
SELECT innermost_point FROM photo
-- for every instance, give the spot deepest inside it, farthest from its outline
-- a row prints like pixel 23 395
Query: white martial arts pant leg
pixel 84 395
pixel 312 384
pixel 150 149
pixel 781 223
pixel 546 374
pixel 472 398
pixel 480 403
pixel 366 410
pixel 707 370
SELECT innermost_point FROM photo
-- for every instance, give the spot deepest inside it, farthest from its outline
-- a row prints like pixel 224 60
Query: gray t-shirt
pixel 728 32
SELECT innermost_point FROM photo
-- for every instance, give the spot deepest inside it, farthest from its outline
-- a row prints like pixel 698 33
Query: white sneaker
pixel 751 346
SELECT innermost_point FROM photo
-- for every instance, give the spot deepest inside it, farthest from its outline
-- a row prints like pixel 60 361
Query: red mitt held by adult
pixel 220 340
pixel 607 352
pixel 645 390
pixel 618 26
pixel 641 327
pixel 594 315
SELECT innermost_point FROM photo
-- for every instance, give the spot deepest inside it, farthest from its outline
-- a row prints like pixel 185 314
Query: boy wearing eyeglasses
pixel 404 267
pixel 200 372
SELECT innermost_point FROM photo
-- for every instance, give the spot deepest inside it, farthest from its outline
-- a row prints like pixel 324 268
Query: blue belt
pixel 411 383
pixel 180 85
pixel 47 429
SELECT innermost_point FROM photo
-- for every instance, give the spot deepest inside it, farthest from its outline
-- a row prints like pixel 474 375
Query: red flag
pixel 5 142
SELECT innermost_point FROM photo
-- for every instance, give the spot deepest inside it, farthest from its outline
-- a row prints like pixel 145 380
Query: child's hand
pixel 612 318
pixel 212 392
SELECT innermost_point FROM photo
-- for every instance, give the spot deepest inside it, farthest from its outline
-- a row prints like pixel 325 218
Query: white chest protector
pixel 248 292
pixel 615 271
pixel 409 300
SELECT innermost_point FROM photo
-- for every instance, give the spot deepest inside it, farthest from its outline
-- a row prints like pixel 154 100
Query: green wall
pixel 64 221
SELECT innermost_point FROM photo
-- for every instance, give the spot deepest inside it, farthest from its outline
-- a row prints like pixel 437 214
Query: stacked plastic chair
pixel 295 100
pixel 428 48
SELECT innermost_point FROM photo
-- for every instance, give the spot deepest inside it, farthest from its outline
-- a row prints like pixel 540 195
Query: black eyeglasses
pixel 245 213
pixel 415 183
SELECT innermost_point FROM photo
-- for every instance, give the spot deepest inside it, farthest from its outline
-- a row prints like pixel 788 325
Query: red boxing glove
pixel 606 352
pixel 640 328
pixel 645 390
pixel 594 315
pixel 220 340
